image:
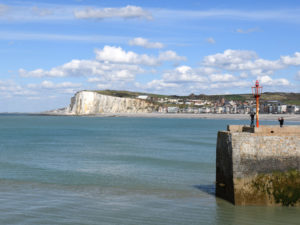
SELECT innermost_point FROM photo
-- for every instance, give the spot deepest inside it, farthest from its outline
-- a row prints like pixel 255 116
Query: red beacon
pixel 256 91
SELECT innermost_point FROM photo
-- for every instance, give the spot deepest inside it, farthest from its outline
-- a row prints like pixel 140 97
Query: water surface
pixel 87 170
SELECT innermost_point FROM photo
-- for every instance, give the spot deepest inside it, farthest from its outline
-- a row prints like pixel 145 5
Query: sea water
pixel 92 170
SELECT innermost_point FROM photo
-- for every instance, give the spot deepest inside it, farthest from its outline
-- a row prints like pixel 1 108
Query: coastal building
pixel 281 108
pixel 163 109
pixel 219 109
pixel 206 110
pixel 173 100
pixel 293 109
pixel 172 110
pixel 143 97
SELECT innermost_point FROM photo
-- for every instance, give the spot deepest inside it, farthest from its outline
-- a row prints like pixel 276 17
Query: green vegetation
pixel 232 97
pixel 128 94
pixel 285 98
pixel 284 187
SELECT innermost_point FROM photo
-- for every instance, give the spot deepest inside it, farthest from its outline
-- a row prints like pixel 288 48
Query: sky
pixel 50 49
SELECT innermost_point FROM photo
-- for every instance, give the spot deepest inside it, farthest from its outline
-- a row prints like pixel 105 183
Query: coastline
pixel 268 117
pixel 287 117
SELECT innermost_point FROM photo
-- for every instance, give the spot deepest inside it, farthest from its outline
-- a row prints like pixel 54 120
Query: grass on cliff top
pixel 285 98
pixel 128 94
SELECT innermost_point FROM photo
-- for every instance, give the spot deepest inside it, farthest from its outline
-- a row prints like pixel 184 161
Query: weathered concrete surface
pixel 259 166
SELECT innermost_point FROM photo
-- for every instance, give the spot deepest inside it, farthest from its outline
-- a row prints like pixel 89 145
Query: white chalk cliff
pixel 91 102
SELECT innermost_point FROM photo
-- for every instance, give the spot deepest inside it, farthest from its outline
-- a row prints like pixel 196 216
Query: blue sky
pixel 51 49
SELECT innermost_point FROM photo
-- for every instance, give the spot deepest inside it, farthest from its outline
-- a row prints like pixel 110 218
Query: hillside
pixel 285 98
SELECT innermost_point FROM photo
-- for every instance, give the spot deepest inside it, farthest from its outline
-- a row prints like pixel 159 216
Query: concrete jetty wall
pixel 259 166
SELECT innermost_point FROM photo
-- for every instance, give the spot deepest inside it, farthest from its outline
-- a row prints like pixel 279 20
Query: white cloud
pixel 79 68
pixel 243 75
pixel 69 91
pixel 94 79
pixel 222 77
pixel 158 85
pixel 183 74
pixel 291 60
pixel 21 13
pixel 268 81
pixel 203 78
pixel 142 42
pixel 118 55
pixel 33 73
pixel 41 11
pixel 122 75
pixel 47 84
pixel 114 54
pixel 241 60
pixel 104 86
pixel 298 75
pixel 45 87
pixel 9 85
pixel 11 35
pixel 9 88
pixel 34 98
pixel 229 57
pixel 247 31
pixel 170 56
pixel 230 85
pixel 117 68
pixel 3 9
pixel 127 12
pixel 68 84
pixel 50 85
pixel 285 15
pixel 249 63
pixel 211 40
pixel 205 70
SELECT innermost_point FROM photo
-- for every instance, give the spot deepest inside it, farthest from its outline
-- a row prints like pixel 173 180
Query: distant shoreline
pixel 287 117
pixel 268 117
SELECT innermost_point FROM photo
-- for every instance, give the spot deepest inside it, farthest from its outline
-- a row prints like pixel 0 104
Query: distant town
pixel 219 106
pixel 270 102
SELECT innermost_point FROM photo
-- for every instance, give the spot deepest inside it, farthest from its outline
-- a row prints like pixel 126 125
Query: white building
pixel 173 100
pixel 173 110
pixel 219 109
pixel 293 109
pixel 144 97
pixel 281 108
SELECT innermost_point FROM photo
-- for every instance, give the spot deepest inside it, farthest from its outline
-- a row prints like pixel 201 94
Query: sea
pixel 117 170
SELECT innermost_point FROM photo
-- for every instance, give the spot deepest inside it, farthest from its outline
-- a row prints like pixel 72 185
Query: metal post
pixel 257 110
pixel 256 91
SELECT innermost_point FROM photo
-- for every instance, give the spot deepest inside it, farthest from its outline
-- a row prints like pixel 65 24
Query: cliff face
pixel 90 102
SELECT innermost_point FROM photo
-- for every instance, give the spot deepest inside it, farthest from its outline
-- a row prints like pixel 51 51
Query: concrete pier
pixel 259 166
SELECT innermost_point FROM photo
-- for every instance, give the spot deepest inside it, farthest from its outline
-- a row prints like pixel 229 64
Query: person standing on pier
pixel 252 114
pixel 281 120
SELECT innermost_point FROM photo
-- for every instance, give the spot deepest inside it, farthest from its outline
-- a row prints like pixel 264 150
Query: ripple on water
pixel 81 170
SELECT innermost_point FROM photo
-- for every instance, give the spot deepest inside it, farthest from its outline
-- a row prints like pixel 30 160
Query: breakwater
pixel 259 166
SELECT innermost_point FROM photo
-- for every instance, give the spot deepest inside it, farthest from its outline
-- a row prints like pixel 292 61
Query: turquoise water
pixel 85 170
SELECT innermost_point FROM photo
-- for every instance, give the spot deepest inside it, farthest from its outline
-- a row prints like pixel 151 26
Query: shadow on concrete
pixel 207 188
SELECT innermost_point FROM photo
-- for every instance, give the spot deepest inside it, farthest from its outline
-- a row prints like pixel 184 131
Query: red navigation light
pixel 256 90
